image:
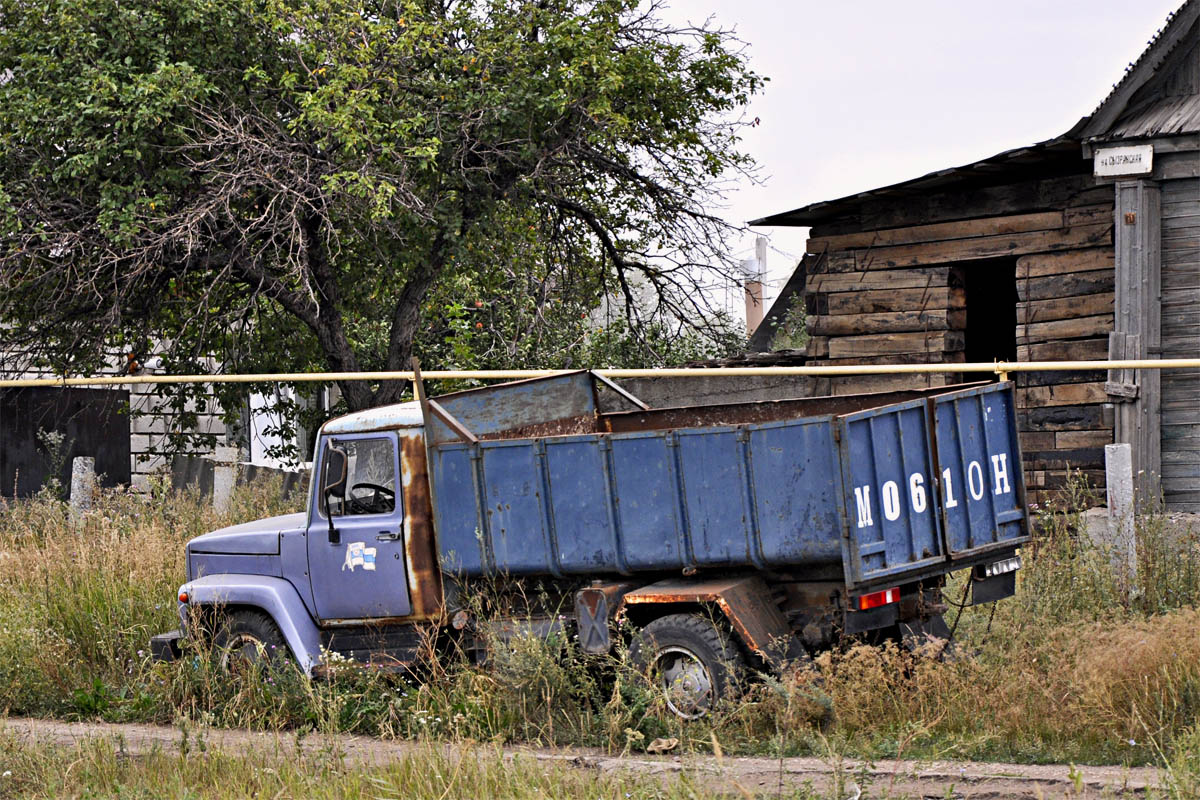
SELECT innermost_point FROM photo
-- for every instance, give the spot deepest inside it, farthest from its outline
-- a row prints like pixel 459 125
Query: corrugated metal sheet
pixel 94 422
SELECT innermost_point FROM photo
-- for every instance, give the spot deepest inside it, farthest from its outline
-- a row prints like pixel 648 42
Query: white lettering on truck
pixel 916 489
pixel 1000 470
pixel 891 501
pixel 950 501
pixel 890 495
pixel 890 491
pixel 975 480
pixel 862 498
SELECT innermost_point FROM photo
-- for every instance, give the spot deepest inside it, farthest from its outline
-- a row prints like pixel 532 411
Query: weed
pixel 55 448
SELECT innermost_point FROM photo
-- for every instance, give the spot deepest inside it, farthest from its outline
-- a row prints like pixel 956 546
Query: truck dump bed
pixel 530 478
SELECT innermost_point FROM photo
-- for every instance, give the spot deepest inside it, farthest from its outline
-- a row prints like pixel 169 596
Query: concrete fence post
pixel 225 461
pixel 1118 469
pixel 83 485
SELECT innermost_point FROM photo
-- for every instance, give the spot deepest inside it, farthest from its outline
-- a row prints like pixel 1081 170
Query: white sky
pixel 864 93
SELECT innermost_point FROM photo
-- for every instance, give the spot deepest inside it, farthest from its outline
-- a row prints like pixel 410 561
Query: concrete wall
pixel 198 472
pixel 150 427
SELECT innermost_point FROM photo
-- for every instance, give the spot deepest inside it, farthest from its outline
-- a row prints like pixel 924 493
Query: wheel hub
pixel 685 681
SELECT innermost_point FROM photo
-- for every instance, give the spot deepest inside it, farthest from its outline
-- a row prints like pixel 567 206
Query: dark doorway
pixel 93 422
pixel 991 333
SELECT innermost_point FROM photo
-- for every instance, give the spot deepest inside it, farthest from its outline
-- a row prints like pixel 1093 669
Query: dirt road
pixel 732 776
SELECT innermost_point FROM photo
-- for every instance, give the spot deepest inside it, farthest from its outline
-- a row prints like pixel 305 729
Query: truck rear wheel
pixel 692 659
pixel 246 638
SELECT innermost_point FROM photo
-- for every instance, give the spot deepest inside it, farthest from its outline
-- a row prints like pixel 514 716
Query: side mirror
pixel 333 483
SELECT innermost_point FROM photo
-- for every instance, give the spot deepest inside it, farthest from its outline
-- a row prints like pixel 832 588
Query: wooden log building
pixel 1085 246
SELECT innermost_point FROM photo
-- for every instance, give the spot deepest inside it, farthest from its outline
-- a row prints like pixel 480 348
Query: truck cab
pixel 359 560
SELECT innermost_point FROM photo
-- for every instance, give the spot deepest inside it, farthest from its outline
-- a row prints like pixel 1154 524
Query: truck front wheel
pixel 247 637
pixel 691 659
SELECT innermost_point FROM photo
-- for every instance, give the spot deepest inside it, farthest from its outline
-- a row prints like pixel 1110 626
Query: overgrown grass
pixel 1082 665
pixel 96 769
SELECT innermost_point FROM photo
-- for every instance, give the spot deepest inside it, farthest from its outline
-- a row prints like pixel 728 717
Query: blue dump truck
pixel 729 537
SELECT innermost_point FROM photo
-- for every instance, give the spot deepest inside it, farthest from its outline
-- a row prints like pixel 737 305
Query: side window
pixel 370 478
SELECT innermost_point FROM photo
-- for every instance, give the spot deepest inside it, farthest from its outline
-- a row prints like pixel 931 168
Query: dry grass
pixel 1077 667
pixel 95 769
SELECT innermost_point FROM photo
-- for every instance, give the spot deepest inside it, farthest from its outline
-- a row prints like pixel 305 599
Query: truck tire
pixel 692 660
pixel 248 637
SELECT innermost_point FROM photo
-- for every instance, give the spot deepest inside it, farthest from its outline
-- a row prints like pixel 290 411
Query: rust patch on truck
pixel 745 601
pixel 567 426
pixel 420 547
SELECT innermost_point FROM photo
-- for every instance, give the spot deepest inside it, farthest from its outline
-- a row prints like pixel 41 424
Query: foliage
pixel 791 331
pixel 260 185
pixel 55 448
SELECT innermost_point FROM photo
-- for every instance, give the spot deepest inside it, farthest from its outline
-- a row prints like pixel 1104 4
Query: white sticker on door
pixel 359 555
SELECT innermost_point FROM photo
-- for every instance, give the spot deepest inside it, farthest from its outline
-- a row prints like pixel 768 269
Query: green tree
pixel 258 184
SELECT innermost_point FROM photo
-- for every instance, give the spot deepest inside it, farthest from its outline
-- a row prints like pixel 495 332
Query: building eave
pixel 985 170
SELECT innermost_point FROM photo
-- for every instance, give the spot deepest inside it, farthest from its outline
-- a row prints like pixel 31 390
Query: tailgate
pixel 929 484
pixel 892 527
pixel 979 467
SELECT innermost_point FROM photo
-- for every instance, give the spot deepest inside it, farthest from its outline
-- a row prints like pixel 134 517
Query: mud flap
pixel 997 587
pixel 871 619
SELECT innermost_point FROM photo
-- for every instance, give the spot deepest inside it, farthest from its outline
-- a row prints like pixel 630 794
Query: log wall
pixel 1065 312
pixel 1181 339
pixel 898 295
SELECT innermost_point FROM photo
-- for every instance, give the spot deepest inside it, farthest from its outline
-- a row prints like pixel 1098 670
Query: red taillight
pixel 183 597
pixel 877 599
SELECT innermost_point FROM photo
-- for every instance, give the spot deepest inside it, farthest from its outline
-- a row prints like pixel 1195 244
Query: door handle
pixel 389 536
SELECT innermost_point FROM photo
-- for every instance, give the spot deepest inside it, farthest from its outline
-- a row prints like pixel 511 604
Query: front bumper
pixel 166 646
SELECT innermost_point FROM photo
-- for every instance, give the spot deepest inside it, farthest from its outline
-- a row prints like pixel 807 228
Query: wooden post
pixel 1137 328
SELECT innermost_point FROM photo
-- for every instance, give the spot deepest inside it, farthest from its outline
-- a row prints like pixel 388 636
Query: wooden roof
pixel 1034 160
pixel 1171 117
